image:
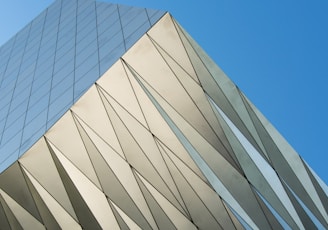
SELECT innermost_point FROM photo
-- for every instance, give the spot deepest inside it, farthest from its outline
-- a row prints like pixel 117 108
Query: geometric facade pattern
pixel 53 60
pixel 162 140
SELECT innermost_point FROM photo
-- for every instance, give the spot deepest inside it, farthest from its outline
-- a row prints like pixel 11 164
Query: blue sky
pixel 275 51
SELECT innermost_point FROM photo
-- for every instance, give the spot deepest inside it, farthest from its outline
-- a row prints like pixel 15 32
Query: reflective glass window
pixel 37 108
pixel 90 52
pixel 85 66
pixel 39 91
pixel 9 148
pixel 61 87
pixel 12 130
pixel 64 61
pixel 4 111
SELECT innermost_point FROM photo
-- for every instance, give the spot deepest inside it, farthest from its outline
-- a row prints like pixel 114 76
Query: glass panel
pixel 15 121
pixel 108 22
pixel 3 112
pixel 69 39
pixel 65 63
pixel 82 69
pixel 12 130
pixel 135 23
pixel 68 49
pixel 44 68
pixel 104 11
pixel 67 30
pixel 20 101
pixel 61 87
pixel 40 93
pixel 7 90
pixel 39 106
pixel 106 35
pixel 10 151
pixel 90 50
pixel 86 40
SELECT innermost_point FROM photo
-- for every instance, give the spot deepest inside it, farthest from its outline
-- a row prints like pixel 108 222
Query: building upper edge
pixel 49 64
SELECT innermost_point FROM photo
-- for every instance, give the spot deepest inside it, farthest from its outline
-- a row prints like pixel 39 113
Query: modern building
pixel 112 117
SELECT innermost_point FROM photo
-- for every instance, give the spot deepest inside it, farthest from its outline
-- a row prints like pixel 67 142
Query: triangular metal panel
pixel 24 217
pixel 37 161
pixel 84 214
pixel 65 136
pixel 18 191
pixel 112 187
pixel 47 218
pixel 13 222
pixel 63 218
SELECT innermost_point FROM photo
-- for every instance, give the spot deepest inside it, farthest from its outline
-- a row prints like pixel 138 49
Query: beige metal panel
pixel 274 223
pixel 134 155
pixel 118 217
pixel 319 185
pixel 130 223
pixel 290 167
pixel 206 193
pixel 65 136
pixel 93 197
pixel 63 218
pixel 162 220
pixel 178 219
pixel 47 218
pixel 39 163
pixel 293 180
pixel 134 152
pixel 18 190
pixel 147 143
pixel 23 216
pixel 115 176
pixel 304 216
pixel 12 221
pixel 252 173
pixel 85 216
pixel 164 151
pixel 258 171
pixel 3 218
pixel 235 221
pixel 196 93
pixel 159 127
pixel 91 109
pixel 116 83
pixel 161 78
pixel 167 37
pixel 212 164
pixel 137 156
pixel 191 133
pixel 220 88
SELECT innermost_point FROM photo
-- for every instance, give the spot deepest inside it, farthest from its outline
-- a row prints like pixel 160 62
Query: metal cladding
pixel 52 61
pixel 162 140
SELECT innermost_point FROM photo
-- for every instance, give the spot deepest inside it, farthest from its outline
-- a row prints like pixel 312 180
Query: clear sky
pixel 275 51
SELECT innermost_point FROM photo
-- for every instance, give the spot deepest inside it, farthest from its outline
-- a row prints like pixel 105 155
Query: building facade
pixel 112 117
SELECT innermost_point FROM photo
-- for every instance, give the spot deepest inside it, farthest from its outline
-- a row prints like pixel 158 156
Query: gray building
pixel 112 117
